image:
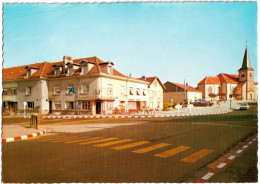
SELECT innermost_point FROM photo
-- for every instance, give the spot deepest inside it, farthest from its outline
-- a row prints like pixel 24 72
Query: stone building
pixel 226 86
pixel 180 93
pixel 73 86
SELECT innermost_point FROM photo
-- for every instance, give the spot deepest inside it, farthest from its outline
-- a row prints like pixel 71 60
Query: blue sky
pixel 174 41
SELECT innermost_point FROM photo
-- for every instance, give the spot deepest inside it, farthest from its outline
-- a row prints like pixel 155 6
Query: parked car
pixel 202 103
pixel 244 107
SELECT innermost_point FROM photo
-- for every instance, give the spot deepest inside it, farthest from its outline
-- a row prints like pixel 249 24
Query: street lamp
pixel 230 96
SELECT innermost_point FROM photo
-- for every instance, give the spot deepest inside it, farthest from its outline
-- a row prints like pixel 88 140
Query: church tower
pixel 246 74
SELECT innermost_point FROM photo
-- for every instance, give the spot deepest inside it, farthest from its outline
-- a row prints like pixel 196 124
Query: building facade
pixel 180 93
pixel 155 92
pixel 230 86
pixel 73 86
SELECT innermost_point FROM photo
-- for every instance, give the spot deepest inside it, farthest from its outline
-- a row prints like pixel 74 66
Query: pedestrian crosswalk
pixel 159 150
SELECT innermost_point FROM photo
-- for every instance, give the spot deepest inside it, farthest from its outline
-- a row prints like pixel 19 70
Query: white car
pixel 244 107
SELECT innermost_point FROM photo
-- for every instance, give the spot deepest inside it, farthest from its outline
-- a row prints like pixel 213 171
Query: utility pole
pixel 184 92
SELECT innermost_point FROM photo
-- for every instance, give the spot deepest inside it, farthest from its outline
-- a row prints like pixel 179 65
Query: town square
pixel 130 92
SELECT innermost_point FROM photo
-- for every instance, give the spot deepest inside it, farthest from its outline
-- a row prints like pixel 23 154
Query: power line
pixel 12 18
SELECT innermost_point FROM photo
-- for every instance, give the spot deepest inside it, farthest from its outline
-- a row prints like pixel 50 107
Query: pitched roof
pixel 46 69
pixel 151 80
pixel 239 85
pixel 188 88
pixel 228 78
pixel 19 72
pixel 246 61
pixel 210 80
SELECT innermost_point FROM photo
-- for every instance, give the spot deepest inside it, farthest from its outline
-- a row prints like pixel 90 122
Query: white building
pixel 75 86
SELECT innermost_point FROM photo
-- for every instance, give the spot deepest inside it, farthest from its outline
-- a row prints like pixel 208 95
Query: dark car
pixel 202 103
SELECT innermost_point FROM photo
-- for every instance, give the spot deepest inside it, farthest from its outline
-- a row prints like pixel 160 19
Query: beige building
pixel 230 86
pixel 179 93
pixel 155 92
pixel 75 86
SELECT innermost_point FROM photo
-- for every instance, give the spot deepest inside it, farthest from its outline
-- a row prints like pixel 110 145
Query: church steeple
pixel 246 61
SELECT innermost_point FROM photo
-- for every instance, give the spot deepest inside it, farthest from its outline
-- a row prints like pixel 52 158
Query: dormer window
pixel 57 69
pixel 108 66
pixel 85 69
pixel 30 70
pixel 85 66
pixel 70 69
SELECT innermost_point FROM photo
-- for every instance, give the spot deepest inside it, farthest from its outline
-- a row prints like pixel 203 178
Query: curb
pixel 10 139
pixel 223 164
pixel 126 116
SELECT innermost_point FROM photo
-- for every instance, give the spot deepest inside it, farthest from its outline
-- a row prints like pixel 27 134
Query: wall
pixel 192 96
pixel 173 97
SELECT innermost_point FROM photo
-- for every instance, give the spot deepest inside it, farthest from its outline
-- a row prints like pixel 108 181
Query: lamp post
pixel 230 97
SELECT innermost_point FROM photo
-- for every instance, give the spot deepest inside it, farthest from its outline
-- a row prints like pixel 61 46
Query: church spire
pixel 246 61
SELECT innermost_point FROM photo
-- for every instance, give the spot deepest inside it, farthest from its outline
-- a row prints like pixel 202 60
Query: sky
pixel 173 41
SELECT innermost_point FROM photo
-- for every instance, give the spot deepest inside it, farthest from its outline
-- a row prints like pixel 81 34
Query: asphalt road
pixel 149 150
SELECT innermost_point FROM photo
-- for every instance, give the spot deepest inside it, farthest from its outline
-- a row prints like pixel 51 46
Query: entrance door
pixel 98 107
pixel 50 106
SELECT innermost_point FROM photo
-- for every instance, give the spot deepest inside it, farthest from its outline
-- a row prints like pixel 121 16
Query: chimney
pixel 130 75
pixel 143 78
pixel 186 84
pixel 66 59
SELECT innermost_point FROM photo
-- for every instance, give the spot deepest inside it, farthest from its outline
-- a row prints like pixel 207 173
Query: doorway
pixel 98 107
pixel 50 107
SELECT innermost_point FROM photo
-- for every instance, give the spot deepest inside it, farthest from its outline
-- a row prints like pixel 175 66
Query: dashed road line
pixel 172 152
pixel 96 141
pixel 196 156
pixel 68 139
pixel 112 143
pixel 130 145
pixel 81 140
pixel 151 148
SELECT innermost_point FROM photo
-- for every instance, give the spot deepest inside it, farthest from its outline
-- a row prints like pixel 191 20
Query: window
pixel 137 91
pixel 85 69
pixel 70 105
pixel 57 90
pixel 110 105
pixel 131 91
pixel 86 105
pixel 57 71
pixel 250 74
pixel 109 89
pixel 30 105
pixel 158 94
pixel 209 90
pixel 57 105
pixel 4 91
pixel 243 74
pixel 85 89
pixel 144 92
pixel 110 70
pixel 13 91
pixel 28 90
pixel 70 71
pixel 70 89
pixel 155 83
pixel 122 90
pixel 151 94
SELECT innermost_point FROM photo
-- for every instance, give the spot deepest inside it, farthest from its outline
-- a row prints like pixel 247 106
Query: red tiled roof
pixel 239 85
pixel 188 88
pixel 117 73
pixel 19 72
pixel 151 80
pixel 256 83
pixel 46 69
pixel 210 80
pixel 228 78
